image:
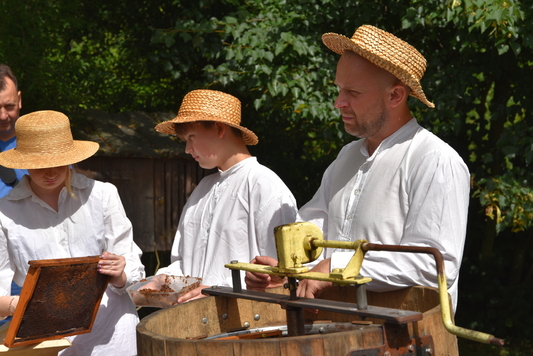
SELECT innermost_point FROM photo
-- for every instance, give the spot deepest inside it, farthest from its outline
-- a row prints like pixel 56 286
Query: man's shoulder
pixel 426 141
pixel 9 144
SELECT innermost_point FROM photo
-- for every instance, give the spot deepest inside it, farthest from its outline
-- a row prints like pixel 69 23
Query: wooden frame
pixel 60 297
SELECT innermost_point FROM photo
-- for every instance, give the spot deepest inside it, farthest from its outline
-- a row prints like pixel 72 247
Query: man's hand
pixel 194 294
pixel 309 288
pixel 261 281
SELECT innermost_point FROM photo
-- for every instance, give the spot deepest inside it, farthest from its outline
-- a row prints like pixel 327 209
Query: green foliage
pixel 73 54
pixel 508 204
pixel 145 55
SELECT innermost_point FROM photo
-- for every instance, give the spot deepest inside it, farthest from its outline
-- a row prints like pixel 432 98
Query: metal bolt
pixel 234 262
pixel 204 320
pixel 386 353
pixel 257 317
pixel 428 350
pixel 321 330
pixel 246 324
pixel 410 348
pixel 224 316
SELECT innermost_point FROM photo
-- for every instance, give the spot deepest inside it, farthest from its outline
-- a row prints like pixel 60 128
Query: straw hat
pixel 44 140
pixel 209 105
pixel 385 51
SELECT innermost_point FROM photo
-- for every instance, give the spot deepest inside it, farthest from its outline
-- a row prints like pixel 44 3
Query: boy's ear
pixel 221 129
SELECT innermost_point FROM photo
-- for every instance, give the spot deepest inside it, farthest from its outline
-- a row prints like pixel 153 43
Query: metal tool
pixel 300 243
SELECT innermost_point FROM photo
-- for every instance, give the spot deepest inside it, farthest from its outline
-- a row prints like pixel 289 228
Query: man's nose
pixel 341 101
pixel 3 114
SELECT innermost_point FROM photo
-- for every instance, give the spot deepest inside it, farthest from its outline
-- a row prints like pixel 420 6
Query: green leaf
pixel 169 41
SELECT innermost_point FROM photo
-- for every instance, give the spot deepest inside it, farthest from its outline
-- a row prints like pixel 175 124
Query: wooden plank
pixel 264 347
pixel 159 206
pixel 304 346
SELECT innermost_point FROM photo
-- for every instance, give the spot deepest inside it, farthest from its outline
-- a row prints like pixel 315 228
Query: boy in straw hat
pixel 56 213
pixel 232 213
pixel 399 184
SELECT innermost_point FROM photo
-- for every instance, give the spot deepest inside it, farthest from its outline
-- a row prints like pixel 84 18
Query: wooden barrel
pixel 182 329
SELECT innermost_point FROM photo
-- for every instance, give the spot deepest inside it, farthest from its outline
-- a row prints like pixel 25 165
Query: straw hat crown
pixel 209 105
pixel 385 51
pixel 44 140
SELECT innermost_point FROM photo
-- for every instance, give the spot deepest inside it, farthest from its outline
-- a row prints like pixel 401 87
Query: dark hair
pixel 5 71
pixel 181 128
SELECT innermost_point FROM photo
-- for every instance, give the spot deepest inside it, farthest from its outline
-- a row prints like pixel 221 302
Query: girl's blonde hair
pixel 67 184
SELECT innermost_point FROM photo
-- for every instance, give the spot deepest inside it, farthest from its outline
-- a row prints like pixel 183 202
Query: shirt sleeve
pixel 316 210
pixel 119 238
pixel 6 272
pixel 279 210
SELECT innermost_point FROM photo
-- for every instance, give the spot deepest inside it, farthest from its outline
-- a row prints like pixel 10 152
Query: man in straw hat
pixel 55 212
pixel 399 184
pixel 10 105
pixel 232 213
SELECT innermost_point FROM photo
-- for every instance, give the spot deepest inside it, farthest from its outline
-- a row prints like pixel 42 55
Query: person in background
pixel 231 215
pixel 10 105
pixel 399 184
pixel 55 212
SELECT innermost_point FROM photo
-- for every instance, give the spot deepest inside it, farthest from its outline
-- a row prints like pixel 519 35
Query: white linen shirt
pixel 92 223
pixel 231 215
pixel 414 190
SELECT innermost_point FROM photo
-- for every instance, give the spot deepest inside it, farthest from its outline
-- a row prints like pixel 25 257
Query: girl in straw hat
pixel 56 213
pixel 232 213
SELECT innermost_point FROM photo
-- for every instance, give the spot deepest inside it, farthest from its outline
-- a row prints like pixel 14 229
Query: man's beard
pixel 368 128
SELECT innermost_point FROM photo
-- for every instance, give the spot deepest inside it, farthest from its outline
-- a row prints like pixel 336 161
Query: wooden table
pixel 44 348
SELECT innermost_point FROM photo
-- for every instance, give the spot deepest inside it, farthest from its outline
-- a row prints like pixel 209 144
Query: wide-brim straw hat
pixel 44 140
pixel 209 105
pixel 385 51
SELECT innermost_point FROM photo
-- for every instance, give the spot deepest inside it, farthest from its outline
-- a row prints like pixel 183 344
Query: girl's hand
pixel 113 265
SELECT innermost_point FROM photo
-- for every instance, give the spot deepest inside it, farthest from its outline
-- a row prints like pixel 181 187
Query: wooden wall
pixel 153 192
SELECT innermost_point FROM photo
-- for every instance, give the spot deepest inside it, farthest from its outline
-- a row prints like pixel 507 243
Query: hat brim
pixel 167 127
pixel 340 43
pixel 79 151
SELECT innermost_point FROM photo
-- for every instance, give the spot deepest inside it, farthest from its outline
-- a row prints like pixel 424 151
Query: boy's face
pixel 203 144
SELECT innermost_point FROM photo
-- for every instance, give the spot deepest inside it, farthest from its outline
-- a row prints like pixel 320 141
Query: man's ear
pixel 20 100
pixel 398 94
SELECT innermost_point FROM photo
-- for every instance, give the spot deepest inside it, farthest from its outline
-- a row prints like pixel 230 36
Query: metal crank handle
pixel 443 292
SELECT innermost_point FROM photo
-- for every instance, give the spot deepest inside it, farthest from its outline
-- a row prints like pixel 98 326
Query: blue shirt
pixel 4 146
